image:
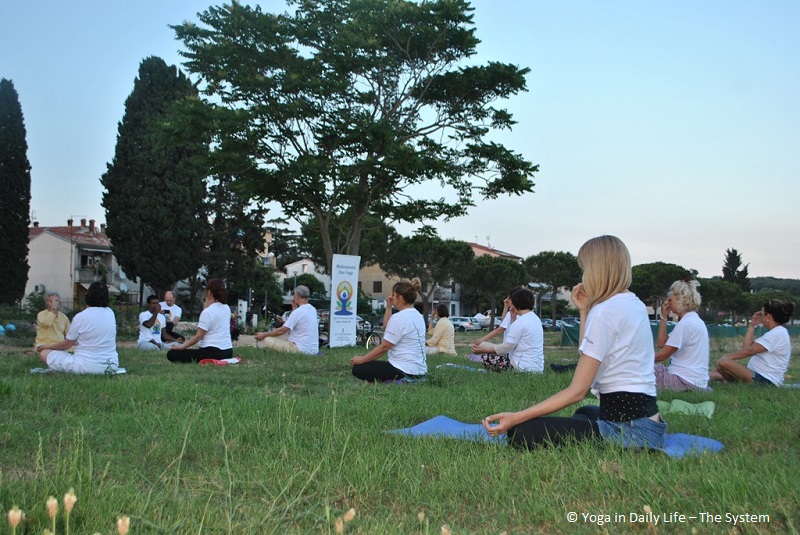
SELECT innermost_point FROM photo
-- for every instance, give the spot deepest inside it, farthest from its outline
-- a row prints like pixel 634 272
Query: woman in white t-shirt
pixel 616 360
pixel 213 330
pixel 686 345
pixel 403 340
pixel 93 334
pixel 770 353
pixel 523 343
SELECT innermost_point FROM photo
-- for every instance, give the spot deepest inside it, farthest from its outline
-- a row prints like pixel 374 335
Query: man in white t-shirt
pixel 300 333
pixel 152 324
pixel 172 313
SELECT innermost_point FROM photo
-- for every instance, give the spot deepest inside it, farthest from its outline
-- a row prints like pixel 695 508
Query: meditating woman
pixel 686 345
pixel 770 353
pixel 93 334
pixel 523 343
pixel 443 334
pixel 213 329
pixel 403 339
pixel 616 360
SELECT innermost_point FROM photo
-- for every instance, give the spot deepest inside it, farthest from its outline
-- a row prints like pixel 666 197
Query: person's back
pixel 304 329
pixel 527 335
pixel 96 330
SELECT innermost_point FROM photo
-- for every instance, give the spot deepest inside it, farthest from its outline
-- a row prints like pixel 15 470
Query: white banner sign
pixel 344 300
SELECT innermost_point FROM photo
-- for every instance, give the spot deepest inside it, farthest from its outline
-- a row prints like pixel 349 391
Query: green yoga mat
pixel 678 406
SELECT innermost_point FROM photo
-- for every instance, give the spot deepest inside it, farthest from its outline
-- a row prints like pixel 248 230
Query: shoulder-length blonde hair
pixel 606 265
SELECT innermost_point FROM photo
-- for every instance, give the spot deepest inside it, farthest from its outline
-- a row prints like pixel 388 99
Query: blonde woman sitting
pixel 686 345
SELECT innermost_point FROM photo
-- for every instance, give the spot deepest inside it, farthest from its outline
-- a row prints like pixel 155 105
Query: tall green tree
pixel 341 107
pixel 490 278
pixel 237 232
pixel 155 185
pixel 434 261
pixel 15 196
pixel 733 271
pixel 557 269
pixel 652 281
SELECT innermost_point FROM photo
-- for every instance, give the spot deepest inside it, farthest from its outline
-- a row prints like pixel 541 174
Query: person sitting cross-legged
pixel 93 334
pixel 769 354
pixel 687 344
pixel 152 328
pixel 300 333
pixel 523 345
pixel 213 330
pixel 443 336
pixel 52 325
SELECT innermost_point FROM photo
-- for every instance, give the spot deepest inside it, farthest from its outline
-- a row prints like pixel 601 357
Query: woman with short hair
pixel 616 360
pixel 523 342
pixel 686 345
pixel 213 330
pixel 403 340
pixel 769 354
pixel 93 334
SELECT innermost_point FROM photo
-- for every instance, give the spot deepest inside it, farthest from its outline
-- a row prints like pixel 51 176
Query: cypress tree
pixel 15 196
pixel 155 185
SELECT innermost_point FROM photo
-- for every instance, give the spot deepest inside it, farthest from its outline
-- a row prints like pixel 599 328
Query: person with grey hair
pixel 300 333
pixel 52 325
pixel 686 345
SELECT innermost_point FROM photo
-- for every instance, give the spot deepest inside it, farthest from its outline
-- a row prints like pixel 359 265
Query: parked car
pixel 572 321
pixel 547 324
pixel 462 324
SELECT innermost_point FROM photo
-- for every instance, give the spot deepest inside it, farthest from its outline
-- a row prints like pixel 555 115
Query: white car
pixel 362 323
pixel 463 323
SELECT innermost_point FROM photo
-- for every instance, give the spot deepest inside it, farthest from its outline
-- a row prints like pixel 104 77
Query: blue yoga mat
pixel 678 445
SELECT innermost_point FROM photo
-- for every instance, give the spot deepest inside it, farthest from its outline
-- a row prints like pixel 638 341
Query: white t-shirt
pixel 216 321
pixel 170 312
pixel 304 329
pixel 774 362
pixel 618 334
pixel 527 335
pixel 95 334
pixel 690 361
pixel 152 333
pixel 406 330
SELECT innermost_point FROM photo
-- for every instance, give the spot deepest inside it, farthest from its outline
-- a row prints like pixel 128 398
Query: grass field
pixel 284 444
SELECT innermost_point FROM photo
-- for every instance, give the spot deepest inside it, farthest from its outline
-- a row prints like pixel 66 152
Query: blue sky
pixel 674 125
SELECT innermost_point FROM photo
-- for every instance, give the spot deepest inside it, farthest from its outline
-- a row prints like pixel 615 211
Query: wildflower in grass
pixel 52 510
pixel 647 509
pixel 15 517
pixel 69 503
pixel 339 525
pixel 123 525
pixel 445 529
pixel 421 517
pixel 349 515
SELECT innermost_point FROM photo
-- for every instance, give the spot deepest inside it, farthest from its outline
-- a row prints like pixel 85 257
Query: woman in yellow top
pixel 52 325
pixel 443 335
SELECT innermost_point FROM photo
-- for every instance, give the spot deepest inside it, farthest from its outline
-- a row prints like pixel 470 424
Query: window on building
pixel 377 287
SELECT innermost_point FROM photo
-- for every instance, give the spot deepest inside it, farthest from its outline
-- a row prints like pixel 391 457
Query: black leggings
pixel 555 431
pixel 377 370
pixel 196 355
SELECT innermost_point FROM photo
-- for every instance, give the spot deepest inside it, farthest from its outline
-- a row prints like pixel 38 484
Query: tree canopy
pixel 490 277
pixel 15 196
pixel 431 259
pixel 557 270
pixel 155 185
pixel 652 281
pixel 340 108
